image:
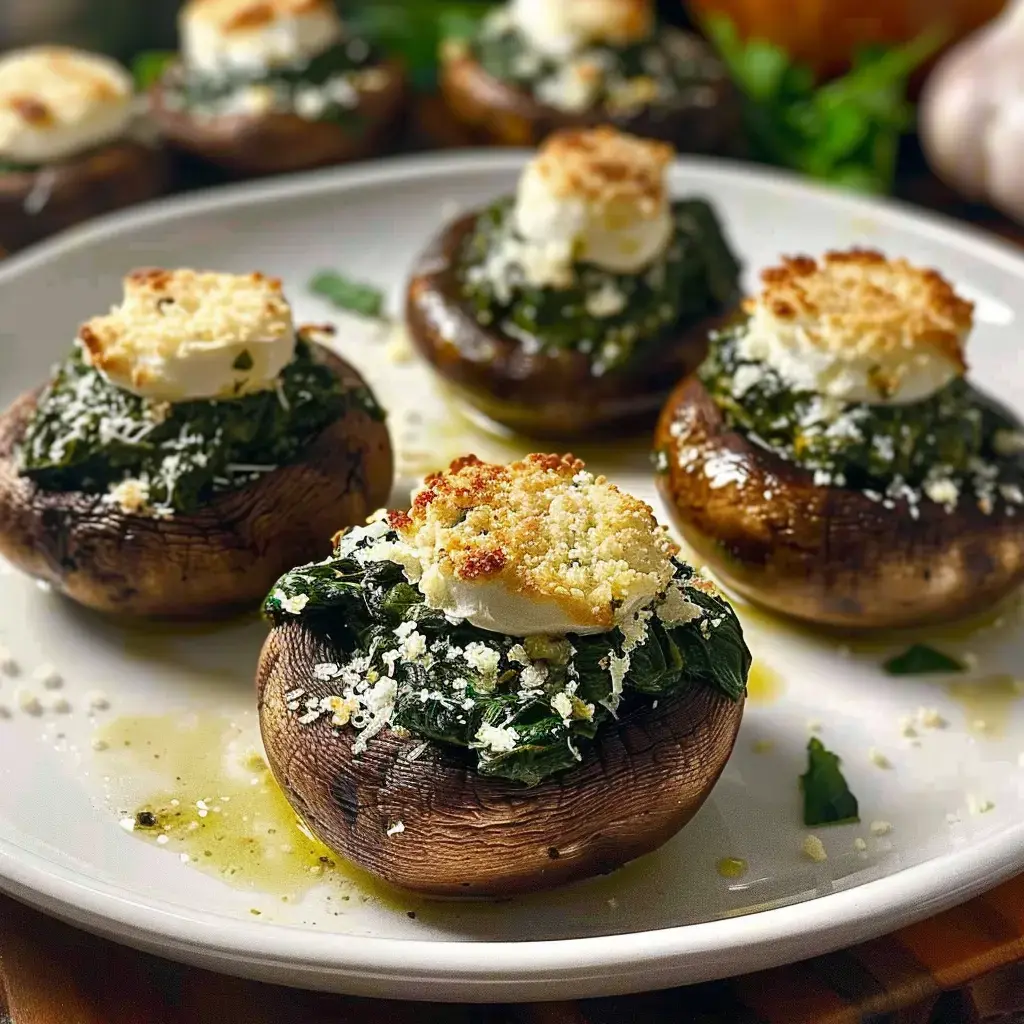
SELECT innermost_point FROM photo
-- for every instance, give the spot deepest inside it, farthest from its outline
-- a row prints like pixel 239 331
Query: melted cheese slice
pixel 222 36
pixel 181 335
pixel 57 102
pixel 858 327
pixel 536 547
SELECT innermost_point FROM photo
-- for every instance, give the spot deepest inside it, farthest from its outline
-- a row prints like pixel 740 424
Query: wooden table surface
pixel 967 965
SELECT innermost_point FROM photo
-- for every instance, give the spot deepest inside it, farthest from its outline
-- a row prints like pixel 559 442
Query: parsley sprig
pixel 846 131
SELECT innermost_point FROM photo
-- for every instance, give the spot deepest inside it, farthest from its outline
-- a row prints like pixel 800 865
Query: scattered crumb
pixel 613 902
pixel 878 759
pixel 48 676
pixel 767 746
pixel 813 725
pixel 814 849
pixel 978 805
pixel 55 702
pixel 907 726
pixel 97 700
pixel 28 702
pixel 930 718
pixel 860 845
pixel 128 824
pixel 8 666
pixel 98 744
pixel 880 828
pixel 396 829
pixel 162 840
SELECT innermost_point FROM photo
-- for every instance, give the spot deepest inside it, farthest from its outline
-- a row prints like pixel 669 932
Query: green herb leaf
pixel 845 131
pixel 148 67
pixel 827 797
pixel 351 296
pixel 920 659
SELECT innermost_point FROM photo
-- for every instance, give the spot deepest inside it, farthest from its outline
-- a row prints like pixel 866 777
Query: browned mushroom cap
pixel 825 554
pixel 275 143
pixel 35 204
pixel 535 393
pixel 225 556
pixel 499 113
pixel 468 835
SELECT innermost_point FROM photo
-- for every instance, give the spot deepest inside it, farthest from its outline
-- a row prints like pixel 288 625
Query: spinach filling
pixel 615 319
pixel 954 436
pixel 660 70
pixel 88 435
pixel 324 88
pixel 527 708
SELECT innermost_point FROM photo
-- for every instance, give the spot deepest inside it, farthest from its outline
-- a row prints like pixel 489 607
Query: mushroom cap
pixel 465 834
pixel 827 555
pixel 539 394
pixel 73 190
pixel 499 113
pixel 275 142
pixel 221 558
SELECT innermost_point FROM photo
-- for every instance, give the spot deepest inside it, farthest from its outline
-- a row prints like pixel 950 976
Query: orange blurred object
pixel 826 33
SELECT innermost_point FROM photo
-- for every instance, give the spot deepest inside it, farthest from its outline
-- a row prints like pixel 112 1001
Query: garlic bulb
pixel 972 114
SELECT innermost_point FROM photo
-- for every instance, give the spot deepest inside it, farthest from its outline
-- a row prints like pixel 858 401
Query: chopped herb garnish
pixel 351 296
pixel 148 67
pixel 919 660
pixel 243 362
pixel 827 797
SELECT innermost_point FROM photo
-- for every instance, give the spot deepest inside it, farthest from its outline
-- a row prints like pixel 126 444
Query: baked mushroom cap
pixel 540 394
pixel 221 558
pixel 498 112
pixel 38 203
pixel 825 554
pixel 277 142
pixel 464 834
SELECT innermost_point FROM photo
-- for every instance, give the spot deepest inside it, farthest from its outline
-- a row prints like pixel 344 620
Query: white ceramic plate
pixel 669 919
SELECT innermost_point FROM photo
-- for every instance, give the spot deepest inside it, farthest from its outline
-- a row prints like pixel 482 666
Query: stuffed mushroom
pixel 268 86
pixel 191 447
pixel 538 66
pixel 515 684
pixel 68 145
pixel 575 304
pixel 830 459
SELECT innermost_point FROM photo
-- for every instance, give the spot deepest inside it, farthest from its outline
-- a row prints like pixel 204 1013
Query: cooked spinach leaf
pixel 89 435
pixel 527 707
pixel 351 296
pixel 920 659
pixel 827 797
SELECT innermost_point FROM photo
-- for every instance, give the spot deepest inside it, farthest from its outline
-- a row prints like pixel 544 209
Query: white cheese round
pixel 559 28
pixel 57 102
pixel 597 196
pixel 219 37
pixel 857 327
pixel 536 547
pixel 184 334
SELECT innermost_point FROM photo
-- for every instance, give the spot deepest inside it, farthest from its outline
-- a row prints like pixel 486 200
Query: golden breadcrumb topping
pixel 47 85
pixel 166 310
pixel 544 528
pixel 606 166
pixel 235 15
pixel 859 302
pixel 618 22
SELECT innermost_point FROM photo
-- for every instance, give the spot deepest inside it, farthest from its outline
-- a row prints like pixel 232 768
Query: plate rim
pixel 468 969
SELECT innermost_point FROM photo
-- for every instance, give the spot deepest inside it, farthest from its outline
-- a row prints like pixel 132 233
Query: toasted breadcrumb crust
pixel 546 528
pixel 48 85
pixel 164 310
pixel 242 15
pixel 605 166
pixel 859 303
